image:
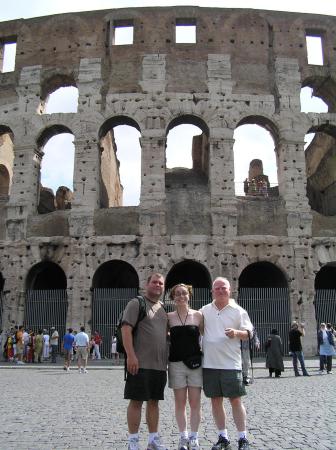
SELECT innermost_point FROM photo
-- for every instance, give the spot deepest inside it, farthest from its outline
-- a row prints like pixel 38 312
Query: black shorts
pixel 223 383
pixel 146 385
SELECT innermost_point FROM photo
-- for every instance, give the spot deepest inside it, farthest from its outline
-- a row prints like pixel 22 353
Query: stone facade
pixel 247 67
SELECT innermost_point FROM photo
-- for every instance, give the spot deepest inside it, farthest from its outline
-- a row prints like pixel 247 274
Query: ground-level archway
pixel 114 284
pixel 2 283
pixel 325 295
pixel 263 292
pixel 192 273
pixel 46 302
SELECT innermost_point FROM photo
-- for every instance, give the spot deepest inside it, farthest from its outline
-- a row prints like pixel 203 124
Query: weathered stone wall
pixel 247 66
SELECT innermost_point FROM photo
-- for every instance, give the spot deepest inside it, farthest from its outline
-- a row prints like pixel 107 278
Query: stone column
pixel 25 188
pixel 221 182
pixel 302 299
pixel 292 187
pixel 153 167
pixel 86 186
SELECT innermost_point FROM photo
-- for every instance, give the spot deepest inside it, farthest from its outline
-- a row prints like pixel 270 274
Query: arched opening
pixel 4 181
pixel 194 274
pixel 325 294
pixel 113 285
pixel 262 275
pixel 120 162
pixel 263 292
pixel 255 158
pixel 115 274
pixel 320 158
pixel 46 298
pixel 57 167
pixel 2 283
pixel 6 162
pixel 46 275
pixel 59 94
pixel 186 176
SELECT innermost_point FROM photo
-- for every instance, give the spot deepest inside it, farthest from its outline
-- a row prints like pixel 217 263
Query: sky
pixel 257 141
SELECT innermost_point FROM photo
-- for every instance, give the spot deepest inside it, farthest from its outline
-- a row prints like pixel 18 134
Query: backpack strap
pixel 141 315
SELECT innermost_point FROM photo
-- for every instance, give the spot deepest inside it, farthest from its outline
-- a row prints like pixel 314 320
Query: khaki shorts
pixel 19 349
pixel 180 376
pixel 82 352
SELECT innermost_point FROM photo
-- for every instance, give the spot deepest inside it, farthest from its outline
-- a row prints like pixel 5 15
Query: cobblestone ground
pixel 49 409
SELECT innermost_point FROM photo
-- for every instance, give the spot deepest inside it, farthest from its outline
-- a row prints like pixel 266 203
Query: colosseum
pixel 75 257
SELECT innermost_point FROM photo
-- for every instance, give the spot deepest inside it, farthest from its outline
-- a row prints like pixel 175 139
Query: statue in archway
pixel 257 183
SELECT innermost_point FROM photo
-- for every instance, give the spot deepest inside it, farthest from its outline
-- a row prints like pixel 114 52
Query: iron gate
pixel 45 309
pixel 107 306
pixel 268 308
pixel 325 306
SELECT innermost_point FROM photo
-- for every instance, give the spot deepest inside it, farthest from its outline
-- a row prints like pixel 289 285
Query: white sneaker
pixel 156 445
pixel 19 362
pixel 193 444
pixel 183 443
pixel 321 372
pixel 68 369
pixel 85 371
pixel 133 444
pixel 80 371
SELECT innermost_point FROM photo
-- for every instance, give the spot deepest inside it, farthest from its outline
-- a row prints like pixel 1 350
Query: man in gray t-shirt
pixel 147 353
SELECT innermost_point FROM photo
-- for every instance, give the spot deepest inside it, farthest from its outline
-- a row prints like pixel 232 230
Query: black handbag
pixel 193 362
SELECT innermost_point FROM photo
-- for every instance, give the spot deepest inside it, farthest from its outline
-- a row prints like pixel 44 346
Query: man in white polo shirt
pixel 225 325
pixel 82 349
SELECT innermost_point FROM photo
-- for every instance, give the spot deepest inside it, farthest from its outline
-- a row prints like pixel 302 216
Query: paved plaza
pixel 46 408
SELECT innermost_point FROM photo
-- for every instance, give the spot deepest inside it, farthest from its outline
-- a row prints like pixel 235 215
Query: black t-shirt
pixel 295 340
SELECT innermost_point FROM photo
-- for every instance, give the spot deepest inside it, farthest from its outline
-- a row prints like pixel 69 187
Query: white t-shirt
pixel 54 338
pixel 220 351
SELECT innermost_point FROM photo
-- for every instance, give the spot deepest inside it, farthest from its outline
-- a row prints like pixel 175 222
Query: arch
pixel 191 120
pixel 320 158
pixel 4 181
pixel 326 277
pixel 55 82
pixel 263 122
pixel 262 274
pixel 112 122
pixel 115 274
pixel 324 88
pixel 120 165
pixel 50 132
pixel 255 158
pixel 46 275
pixel 189 272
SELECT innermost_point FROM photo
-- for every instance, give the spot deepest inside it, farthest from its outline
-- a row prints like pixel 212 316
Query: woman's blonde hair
pixel 173 289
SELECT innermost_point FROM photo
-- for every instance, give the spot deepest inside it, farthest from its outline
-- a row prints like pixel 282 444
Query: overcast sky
pixel 257 141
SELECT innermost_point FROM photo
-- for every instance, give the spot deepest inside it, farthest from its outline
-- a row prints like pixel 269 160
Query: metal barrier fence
pixel 325 306
pixel 268 308
pixel 45 309
pixel 107 306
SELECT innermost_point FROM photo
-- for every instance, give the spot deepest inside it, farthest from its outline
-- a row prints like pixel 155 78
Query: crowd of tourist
pixel 21 345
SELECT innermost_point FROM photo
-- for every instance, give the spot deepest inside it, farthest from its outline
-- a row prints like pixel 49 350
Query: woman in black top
pixel 185 325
